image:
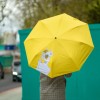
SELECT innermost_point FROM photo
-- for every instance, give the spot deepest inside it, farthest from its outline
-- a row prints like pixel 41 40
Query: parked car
pixel 16 71
pixel 1 71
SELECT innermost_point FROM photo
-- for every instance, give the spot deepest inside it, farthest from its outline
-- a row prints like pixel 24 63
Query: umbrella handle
pixel 68 75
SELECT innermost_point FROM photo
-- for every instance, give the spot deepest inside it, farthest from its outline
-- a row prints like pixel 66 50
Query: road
pixel 7 84
pixel 12 94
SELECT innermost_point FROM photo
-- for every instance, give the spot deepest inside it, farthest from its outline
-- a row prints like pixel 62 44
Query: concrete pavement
pixel 7 83
pixel 13 94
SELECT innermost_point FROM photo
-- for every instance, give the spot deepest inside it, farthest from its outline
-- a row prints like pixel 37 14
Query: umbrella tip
pixel 55 37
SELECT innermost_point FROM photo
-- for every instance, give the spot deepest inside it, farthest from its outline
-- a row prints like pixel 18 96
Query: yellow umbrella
pixel 58 45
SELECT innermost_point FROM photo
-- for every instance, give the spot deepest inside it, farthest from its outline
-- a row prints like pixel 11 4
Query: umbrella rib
pixel 60 23
pixel 81 43
pixel 71 30
pixel 69 55
pixel 46 27
pixel 75 41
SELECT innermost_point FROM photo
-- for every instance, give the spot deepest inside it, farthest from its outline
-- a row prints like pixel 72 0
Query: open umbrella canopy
pixel 58 45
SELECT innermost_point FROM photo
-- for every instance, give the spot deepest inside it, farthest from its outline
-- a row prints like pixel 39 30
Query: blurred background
pixel 22 14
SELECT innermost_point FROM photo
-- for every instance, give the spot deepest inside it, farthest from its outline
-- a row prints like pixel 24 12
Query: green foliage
pixel 85 10
pixel 94 12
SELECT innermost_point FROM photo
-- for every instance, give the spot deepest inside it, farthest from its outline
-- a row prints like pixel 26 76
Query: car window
pixel 16 63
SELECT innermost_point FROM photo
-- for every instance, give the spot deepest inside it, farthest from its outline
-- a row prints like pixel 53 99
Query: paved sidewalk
pixel 13 94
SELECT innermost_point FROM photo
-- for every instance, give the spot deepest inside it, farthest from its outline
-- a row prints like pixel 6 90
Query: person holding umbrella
pixel 53 88
pixel 57 46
